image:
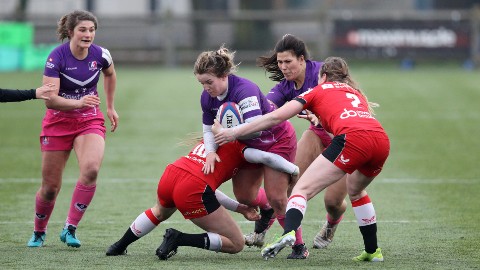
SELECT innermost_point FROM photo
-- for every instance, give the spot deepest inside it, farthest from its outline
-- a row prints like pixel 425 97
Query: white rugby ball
pixel 229 114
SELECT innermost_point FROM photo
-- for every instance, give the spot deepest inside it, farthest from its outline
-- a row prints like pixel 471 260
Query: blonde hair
pixel 67 23
pixel 219 63
pixel 336 70
pixel 192 139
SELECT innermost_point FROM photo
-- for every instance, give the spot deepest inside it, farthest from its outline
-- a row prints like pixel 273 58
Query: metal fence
pixel 173 40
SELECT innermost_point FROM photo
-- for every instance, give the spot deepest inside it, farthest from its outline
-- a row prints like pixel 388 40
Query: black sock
pixel 369 234
pixel 262 224
pixel 199 240
pixel 127 239
pixel 293 219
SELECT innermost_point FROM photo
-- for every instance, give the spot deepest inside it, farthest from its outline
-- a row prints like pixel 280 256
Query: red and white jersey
pixel 340 108
pixel 231 156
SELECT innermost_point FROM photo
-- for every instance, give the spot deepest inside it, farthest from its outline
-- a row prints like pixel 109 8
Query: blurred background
pixel 172 32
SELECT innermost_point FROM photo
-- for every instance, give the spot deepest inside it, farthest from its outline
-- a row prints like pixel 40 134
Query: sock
pixel 43 211
pixel 299 236
pixel 142 225
pixel 215 242
pixel 198 240
pixel 366 219
pixel 332 221
pixel 296 207
pixel 261 200
pixel 266 221
pixel 81 198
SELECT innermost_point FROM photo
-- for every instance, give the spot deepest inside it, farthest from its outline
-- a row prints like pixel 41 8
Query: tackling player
pixel 359 150
pixel 185 187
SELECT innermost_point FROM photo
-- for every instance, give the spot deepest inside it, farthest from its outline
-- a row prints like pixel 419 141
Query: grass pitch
pixel 426 198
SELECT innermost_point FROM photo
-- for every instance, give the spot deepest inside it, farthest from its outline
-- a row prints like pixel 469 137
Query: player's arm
pixel 110 83
pixel 57 102
pixel 248 212
pixel 7 95
pixel 271 160
pixel 210 150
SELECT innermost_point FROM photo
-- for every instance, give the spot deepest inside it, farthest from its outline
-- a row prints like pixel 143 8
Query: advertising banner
pixel 402 39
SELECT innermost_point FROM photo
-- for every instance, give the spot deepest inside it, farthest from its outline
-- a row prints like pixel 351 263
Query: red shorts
pixel 365 151
pixel 58 133
pixel 322 134
pixel 192 196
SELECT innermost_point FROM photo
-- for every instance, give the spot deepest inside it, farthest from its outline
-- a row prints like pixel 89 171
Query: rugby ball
pixel 229 115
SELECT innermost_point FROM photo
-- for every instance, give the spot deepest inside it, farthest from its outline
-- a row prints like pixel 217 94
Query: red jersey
pixel 340 108
pixel 231 156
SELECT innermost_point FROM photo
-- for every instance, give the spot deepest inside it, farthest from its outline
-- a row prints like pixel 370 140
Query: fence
pixel 177 40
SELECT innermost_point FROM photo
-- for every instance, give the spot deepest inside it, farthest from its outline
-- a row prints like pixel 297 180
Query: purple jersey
pixel 285 90
pixel 78 78
pixel 252 103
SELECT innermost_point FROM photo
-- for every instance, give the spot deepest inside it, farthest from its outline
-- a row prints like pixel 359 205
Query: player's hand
pixel 308 115
pixel 223 135
pixel 89 101
pixel 216 127
pixel 113 116
pixel 250 213
pixel 210 160
pixel 45 91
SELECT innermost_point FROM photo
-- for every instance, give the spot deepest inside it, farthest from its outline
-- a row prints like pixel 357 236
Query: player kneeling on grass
pixel 185 186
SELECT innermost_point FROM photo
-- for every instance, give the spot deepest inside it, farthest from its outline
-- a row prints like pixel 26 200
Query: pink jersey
pixel 340 108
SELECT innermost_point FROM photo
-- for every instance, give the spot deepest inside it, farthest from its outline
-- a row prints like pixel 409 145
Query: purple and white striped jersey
pixel 78 78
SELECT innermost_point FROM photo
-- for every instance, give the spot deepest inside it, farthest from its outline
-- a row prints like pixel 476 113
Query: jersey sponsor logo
pixel 327 86
pixel 81 207
pixel 249 104
pixel 92 65
pixel 343 160
pixel 71 68
pixel 351 113
pixel 49 65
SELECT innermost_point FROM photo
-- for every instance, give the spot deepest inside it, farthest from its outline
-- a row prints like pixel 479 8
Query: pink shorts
pixel 322 134
pixel 192 196
pixel 365 151
pixel 58 133
pixel 286 144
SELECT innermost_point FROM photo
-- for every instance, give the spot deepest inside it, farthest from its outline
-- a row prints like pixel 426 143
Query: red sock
pixel 261 200
pixel 332 221
pixel 43 211
pixel 144 223
pixel 81 198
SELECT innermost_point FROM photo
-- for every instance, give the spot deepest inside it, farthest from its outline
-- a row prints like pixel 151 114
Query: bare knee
pixel 49 192
pixel 90 173
pixel 238 243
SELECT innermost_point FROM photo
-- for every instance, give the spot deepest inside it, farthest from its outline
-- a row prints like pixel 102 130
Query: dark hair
pixel 69 21
pixel 287 43
pixel 219 62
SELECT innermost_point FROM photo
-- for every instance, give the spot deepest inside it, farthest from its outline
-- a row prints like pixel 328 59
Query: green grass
pixel 426 198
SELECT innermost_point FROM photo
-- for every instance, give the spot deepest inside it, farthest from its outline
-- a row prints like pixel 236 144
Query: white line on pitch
pixel 155 181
